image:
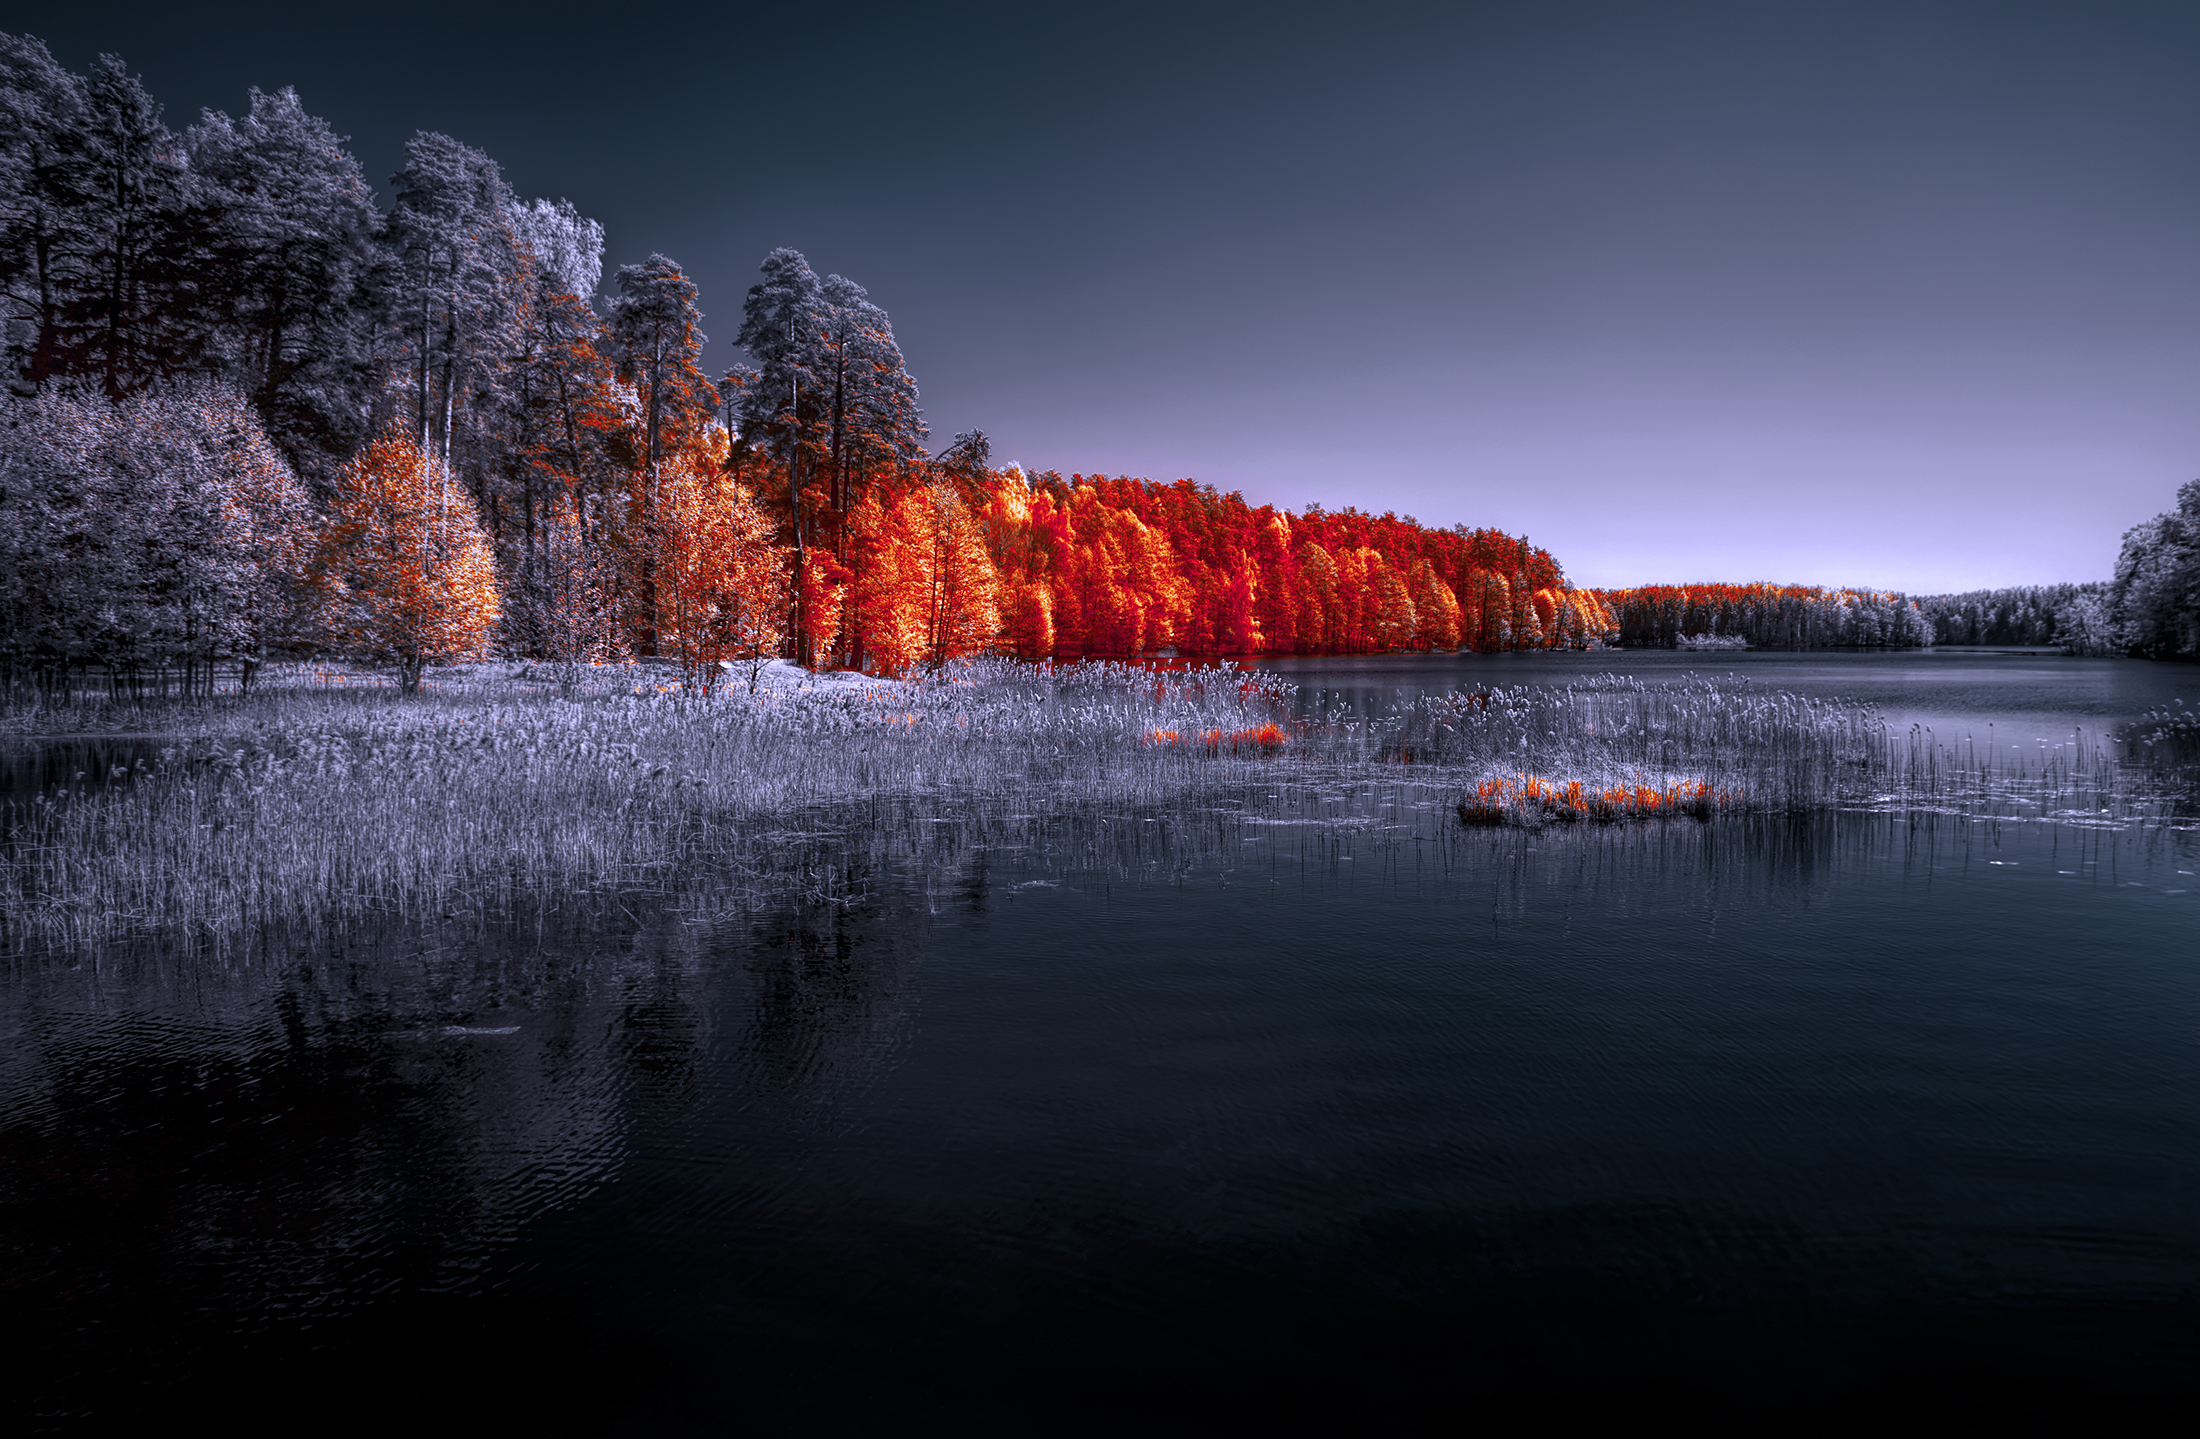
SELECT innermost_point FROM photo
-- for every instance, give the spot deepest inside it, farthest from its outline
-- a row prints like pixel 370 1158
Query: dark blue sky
pixel 1900 295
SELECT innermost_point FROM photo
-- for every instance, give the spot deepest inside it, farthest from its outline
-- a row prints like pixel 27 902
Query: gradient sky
pixel 1902 295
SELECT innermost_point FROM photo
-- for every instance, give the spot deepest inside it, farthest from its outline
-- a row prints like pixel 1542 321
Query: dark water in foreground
pixel 1354 1122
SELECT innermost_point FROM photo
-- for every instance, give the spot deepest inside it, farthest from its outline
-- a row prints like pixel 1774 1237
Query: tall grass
pixel 324 805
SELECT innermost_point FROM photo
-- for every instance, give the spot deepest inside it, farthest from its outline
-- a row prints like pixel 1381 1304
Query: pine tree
pixel 832 400
pixel 1393 622
pixel 567 246
pixel 2154 599
pixel 1435 607
pixel 873 425
pixel 782 320
pixel 556 421
pixel 287 224
pixel 46 187
pixel 458 282
pixel 96 258
pixel 135 319
pixel 655 330
pixel 962 609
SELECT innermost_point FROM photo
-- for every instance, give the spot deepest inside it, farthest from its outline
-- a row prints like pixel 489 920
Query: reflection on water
pixel 2029 695
pixel 1316 1109
pixel 42 767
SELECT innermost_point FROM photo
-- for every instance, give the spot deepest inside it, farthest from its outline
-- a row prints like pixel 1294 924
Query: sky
pixel 1900 295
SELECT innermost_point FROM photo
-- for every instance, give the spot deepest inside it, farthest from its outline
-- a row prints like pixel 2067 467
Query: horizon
pixel 1872 298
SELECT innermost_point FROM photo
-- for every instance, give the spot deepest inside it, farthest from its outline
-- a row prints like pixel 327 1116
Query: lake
pixel 1335 1115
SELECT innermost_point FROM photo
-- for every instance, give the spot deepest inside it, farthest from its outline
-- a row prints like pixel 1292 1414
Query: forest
pixel 2072 617
pixel 2149 608
pixel 253 413
pixel 1764 616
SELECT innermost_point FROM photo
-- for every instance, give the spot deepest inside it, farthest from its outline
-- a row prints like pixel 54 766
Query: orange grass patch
pixel 1531 799
pixel 1261 739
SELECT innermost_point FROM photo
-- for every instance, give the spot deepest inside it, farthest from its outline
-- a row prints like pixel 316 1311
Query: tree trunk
pixel 840 472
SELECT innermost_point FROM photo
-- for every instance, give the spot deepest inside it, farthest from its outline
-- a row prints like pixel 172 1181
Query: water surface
pixel 1327 1113
pixel 2033 693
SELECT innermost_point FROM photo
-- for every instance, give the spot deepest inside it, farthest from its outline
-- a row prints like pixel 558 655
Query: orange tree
pixel 721 582
pixel 961 599
pixel 405 574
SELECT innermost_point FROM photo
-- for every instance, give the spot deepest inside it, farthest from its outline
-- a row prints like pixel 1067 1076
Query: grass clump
pixel 1532 800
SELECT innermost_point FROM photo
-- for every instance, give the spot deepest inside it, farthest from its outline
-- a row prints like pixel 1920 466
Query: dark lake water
pixel 2032 693
pixel 1343 1120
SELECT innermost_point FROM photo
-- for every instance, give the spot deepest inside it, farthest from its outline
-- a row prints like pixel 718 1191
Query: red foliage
pixel 1099 568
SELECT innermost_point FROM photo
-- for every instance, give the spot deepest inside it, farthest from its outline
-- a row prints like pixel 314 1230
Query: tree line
pixel 2066 616
pixel 1765 616
pixel 2150 608
pixel 252 410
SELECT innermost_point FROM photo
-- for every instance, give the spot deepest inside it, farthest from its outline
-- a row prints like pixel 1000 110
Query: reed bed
pixel 328 805
pixel 331 805
pixel 2167 738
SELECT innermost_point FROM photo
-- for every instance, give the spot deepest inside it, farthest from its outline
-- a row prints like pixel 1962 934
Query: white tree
pixel 158 537
pixel 564 242
pixel 2155 598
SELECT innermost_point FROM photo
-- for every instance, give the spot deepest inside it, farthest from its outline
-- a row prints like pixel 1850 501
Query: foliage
pixel 565 603
pixel 2083 625
pixel 2154 601
pixel 2065 615
pixel 458 287
pixel 95 254
pixel 405 573
pixel 464 317
pixel 566 245
pixel 1766 616
pixel 154 537
pixel 722 582
pixel 655 331
pixel 287 259
pixel 833 401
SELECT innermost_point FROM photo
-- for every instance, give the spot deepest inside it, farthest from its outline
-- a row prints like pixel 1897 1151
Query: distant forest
pixel 1764 616
pixel 2055 616
pixel 2150 609
pixel 252 412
